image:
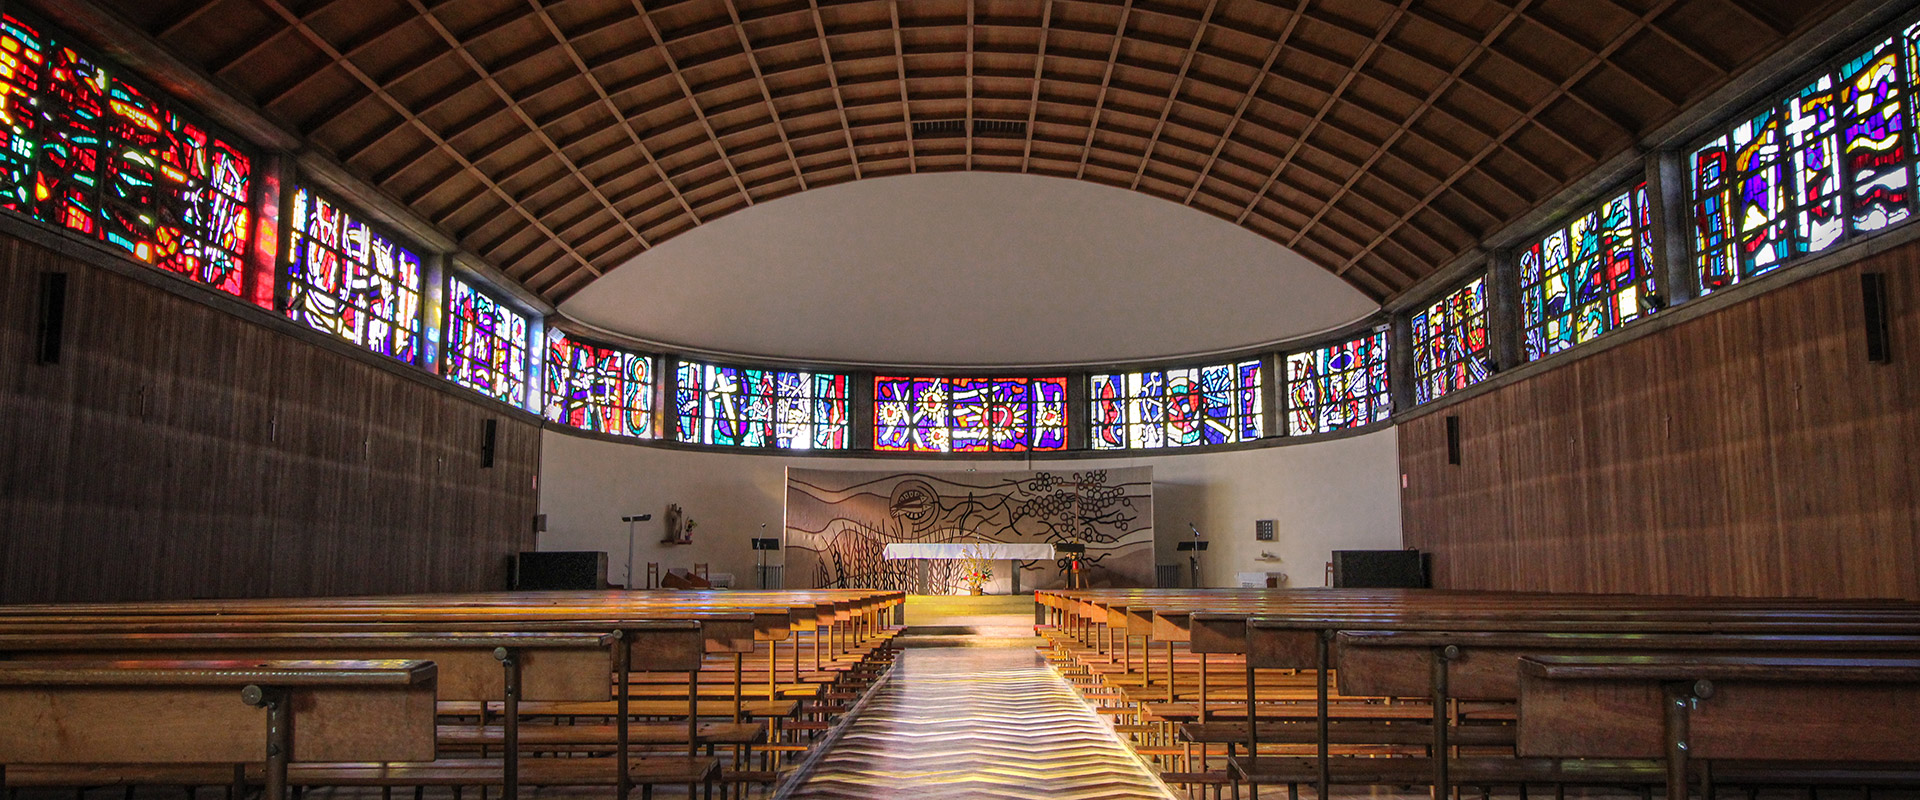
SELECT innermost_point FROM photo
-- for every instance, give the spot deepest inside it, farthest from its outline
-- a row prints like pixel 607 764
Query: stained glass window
pixel 1177 407
pixel 84 148
pixel 598 389
pixel 486 345
pixel 1450 346
pixel 969 415
pixel 741 407
pixel 1830 161
pixel 350 279
pixel 1590 276
pixel 1338 386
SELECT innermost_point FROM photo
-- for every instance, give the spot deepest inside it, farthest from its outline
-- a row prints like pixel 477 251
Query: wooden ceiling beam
pixel 305 31
pixel 1240 113
pixel 833 81
pixel 1480 48
pixel 1620 40
pixel 1039 76
pixel 766 97
pixel 686 90
pixel 906 103
pixel 1173 95
pixel 513 106
pixel 1333 99
pixel 1106 82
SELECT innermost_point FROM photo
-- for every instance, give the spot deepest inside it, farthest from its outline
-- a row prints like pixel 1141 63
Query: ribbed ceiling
pixel 1378 139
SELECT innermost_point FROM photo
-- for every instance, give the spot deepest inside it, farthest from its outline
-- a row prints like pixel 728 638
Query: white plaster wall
pixel 1333 495
pixel 968 268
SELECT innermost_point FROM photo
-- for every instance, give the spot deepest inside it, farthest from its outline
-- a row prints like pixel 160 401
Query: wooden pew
pixel 1686 707
pixel 1086 615
pixel 770 618
pixel 506 666
pixel 214 712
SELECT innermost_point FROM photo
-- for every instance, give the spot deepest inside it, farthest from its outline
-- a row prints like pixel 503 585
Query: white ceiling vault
pixel 968 269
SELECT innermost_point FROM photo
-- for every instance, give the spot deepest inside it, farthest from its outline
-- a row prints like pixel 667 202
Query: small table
pixel 985 551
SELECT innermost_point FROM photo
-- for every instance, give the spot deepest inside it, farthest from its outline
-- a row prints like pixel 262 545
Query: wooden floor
pixel 975 722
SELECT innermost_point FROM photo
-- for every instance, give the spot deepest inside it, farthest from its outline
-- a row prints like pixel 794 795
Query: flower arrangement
pixel 974 570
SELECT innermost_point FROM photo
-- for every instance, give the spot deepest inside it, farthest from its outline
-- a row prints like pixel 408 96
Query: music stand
pixel 760 549
pixel 1196 547
pixel 630 520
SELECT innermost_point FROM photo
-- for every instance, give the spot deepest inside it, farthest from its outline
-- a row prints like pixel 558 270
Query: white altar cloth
pixel 988 551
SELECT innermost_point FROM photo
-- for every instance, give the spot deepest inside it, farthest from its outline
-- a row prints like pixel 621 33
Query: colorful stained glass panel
pixel 349 278
pixel 1187 407
pixel 86 149
pixel 969 415
pixel 733 406
pixel 1339 386
pixel 486 344
pixel 1450 349
pixel 1588 277
pixel 601 389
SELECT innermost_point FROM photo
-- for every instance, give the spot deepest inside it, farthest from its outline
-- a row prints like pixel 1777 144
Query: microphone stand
pixel 1193 561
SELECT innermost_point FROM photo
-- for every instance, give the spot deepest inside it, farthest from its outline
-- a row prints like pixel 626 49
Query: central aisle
pixel 976 722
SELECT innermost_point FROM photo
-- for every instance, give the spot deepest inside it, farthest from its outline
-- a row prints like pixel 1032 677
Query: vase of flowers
pixel 974 570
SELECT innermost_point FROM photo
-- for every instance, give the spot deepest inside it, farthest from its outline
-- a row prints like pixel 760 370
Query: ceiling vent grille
pixel 939 128
pixel 1000 127
pixel 954 128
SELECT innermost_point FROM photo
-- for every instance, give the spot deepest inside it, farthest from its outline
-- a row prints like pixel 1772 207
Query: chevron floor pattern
pixel 984 723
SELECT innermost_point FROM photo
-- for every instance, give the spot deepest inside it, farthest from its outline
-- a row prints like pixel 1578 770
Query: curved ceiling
pixel 968 269
pixel 559 138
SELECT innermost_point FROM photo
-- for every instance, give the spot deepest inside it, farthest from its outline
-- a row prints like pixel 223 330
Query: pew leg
pixel 510 721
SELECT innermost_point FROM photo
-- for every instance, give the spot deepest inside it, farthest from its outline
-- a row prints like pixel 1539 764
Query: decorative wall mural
pixel 838 522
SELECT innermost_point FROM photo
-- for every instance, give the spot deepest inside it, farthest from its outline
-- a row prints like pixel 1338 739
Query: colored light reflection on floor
pixel 976 723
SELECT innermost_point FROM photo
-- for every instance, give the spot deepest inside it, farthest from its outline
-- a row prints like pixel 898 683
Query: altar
pixel 1004 552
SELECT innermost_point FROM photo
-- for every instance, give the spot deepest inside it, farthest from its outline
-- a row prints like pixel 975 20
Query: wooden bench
pixel 1219 622
pixel 844 626
pixel 214 712
pixel 1687 707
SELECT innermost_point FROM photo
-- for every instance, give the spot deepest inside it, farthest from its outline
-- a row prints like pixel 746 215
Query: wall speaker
pixel 53 317
pixel 490 432
pixel 1873 299
pixel 1453 440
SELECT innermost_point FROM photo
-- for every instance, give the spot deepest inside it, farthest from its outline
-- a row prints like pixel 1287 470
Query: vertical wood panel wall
pixel 180 451
pixel 1754 451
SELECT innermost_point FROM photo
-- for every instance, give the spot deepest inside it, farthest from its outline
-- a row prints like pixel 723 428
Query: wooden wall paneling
pixel 1480 482
pixel 211 536
pixel 317 406
pixel 1422 453
pixel 114 492
pixel 1546 523
pixel 1820 411
pixel 397 485
pixel 1903 288
pixel 32 491
pixel 1752 451
pixel 181 451
pixel 1623 422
